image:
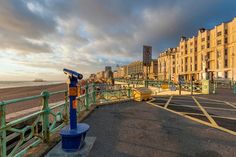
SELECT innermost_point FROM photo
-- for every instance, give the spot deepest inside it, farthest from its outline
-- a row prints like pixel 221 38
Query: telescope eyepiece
pixel 72 73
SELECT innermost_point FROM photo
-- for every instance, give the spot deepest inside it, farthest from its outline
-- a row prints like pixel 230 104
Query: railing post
pixel 3 136
pixel 66 108
pixel 46 111
pixel 87 96
pixel 94 93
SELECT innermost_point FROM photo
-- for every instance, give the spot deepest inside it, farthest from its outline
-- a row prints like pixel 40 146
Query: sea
pixel 12 84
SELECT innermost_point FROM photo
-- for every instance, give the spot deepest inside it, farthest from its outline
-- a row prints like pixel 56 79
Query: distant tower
pixel 108 68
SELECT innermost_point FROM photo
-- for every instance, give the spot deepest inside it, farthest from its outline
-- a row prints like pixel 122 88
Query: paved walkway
pixel 137 129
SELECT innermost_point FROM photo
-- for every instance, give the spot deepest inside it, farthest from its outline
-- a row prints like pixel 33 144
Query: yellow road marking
pixel 230 104
pixel 167 103
pixel 214 108
pixel 194 119
pixel 227 103
pixel 215 116
pixel 205 112
pixel 209 99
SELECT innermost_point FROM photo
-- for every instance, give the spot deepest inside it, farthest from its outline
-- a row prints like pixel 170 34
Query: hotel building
pixel 210 54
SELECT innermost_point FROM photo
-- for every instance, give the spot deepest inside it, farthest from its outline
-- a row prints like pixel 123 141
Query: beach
pixel 20 92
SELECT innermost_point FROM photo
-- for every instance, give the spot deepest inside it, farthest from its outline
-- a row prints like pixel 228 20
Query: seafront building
pixel 135 70
pixel 210 54
pixel 152 70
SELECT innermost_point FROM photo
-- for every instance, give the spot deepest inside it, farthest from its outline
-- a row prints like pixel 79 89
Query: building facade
pixel 100 75
pixel 152 70
pixel 209 55
pixel 135 70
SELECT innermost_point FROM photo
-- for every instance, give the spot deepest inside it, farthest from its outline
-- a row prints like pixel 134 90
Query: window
pixel 208 55
pixel 218 42
pixel 226 63
pixel 186 60
pixel 203 39
pixel 195 58
pixel 191 43
pixel 218 34
pixel 191 50
pixel 226 40
pixel 186 68
pixel 195 49
pixel 173 62
pixel 226 31
pixel 208 45
pixel 226 74
pixel 191 60
pixel 226 52
pixel 208 65
pixel 203 47
pixel 195 67
pixel 173 69
pixel 173 56
pixel 208 37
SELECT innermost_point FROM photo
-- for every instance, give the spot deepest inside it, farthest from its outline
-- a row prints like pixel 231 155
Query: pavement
pixel 223 94
pixel 141 129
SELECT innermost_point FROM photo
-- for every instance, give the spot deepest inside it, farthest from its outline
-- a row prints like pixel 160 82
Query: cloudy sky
pixel 39 38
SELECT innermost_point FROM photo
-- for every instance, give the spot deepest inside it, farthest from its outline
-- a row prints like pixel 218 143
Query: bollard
pixel 129 92
pixel 235 88
pixel 73 136
pixel 180 88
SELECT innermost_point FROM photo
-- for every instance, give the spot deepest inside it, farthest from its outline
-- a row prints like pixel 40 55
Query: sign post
pixel 73 136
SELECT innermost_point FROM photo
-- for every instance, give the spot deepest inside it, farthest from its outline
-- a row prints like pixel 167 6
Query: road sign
pixel 172 88
pixel 181 80
pixel 147 55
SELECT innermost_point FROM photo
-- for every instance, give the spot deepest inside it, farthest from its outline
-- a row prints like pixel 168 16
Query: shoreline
pixel 21 92
pixel 19 84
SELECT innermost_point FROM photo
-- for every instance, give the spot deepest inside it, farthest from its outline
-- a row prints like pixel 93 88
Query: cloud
pixel 88 34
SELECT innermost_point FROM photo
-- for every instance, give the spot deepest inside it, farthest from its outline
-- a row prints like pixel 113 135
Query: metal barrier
pixel 18 136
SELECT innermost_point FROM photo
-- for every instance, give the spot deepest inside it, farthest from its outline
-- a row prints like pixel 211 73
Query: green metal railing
pixel 195 87
pixel 19 135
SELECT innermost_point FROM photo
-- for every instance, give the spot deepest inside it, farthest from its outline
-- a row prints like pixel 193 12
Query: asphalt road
pixel 138 129
pixel 223 113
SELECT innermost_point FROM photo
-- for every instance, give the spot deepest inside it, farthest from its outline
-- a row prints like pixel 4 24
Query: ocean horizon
pixel 14 84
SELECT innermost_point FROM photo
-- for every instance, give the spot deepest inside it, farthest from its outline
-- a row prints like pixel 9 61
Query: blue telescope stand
pixel 73 135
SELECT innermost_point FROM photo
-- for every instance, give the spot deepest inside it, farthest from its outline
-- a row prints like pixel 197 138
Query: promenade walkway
pixel 138 129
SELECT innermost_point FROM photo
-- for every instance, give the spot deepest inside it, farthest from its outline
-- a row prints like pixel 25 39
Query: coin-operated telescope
pixel 72 73
pixel 73 136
